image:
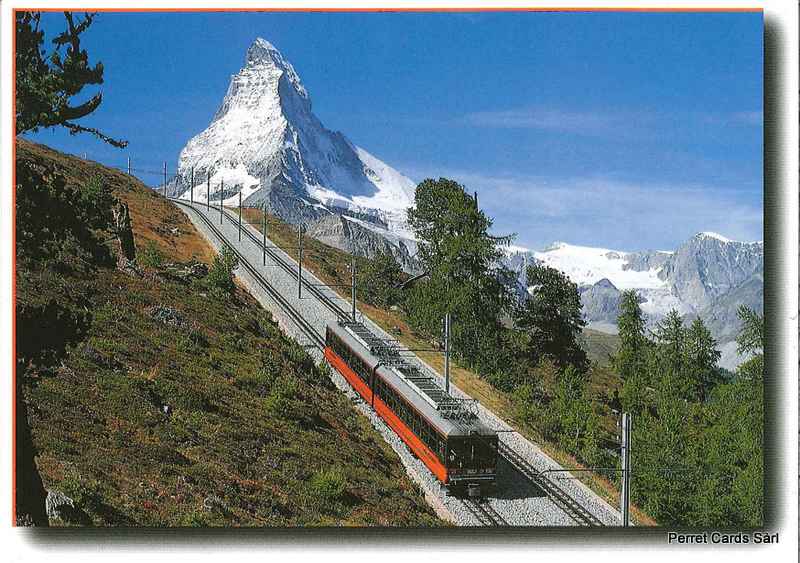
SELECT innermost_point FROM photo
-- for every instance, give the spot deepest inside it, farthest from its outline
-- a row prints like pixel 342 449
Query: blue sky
pixel 625 130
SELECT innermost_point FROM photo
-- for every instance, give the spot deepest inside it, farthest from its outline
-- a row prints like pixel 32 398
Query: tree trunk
pixel 122 228
pixel 31 495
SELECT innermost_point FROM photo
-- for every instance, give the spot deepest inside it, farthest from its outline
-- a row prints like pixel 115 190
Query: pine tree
pixel 378 280
pixel 630 361
pixel 751 342
pixel 701 359
pixel 630 358
pixel 45 84
pixel 668 364
pixel 464 278
pixel 552 319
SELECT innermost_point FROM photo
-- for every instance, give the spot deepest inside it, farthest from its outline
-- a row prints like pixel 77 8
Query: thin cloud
pixel 546 119
pixel 616 123
pixel 597 211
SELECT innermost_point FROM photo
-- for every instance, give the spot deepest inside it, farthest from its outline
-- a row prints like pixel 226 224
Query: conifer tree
pixel 46 83
pixel 630 361
pixel 751 342
pixel 378 280
pixel 551 319
pixel 668 363
pixel 464 277
pixel 701 359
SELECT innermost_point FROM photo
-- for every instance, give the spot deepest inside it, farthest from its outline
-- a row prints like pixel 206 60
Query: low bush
pixel 150 256
pixel 328 485
pixel 220 276
pixel 280 401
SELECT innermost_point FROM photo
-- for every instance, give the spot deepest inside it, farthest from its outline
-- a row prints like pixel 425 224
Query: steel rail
pixel 290 269
pixel 484 512
pixel 569 505
pixel 276 295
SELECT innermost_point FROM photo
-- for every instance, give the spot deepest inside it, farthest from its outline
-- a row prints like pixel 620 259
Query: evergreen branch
pixel 74 129
pixel 70 113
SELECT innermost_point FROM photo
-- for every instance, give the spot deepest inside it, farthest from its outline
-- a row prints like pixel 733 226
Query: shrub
pixel 151 256
pixel 258 382
pixel 328 485
pixel 57 220
pixel 220 276
pixel 280 401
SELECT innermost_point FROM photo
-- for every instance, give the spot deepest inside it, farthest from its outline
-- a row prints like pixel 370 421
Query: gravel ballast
pixel 517 500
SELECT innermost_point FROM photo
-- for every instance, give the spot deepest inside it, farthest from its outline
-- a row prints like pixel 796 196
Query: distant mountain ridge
pixel 708 276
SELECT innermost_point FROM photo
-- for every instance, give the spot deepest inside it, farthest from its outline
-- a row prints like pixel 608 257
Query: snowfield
pixel 586 266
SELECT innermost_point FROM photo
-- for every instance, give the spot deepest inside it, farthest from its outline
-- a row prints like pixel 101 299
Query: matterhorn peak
pixel 266 144
pixel 262 52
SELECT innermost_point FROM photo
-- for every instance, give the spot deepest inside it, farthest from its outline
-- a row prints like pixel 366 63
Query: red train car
pixel 455 445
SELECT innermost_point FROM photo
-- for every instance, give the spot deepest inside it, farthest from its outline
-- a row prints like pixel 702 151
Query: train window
pixel 411 418
pixel 358 366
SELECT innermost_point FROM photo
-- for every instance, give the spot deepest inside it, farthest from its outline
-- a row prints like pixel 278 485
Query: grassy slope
pixel 234 450
pixel 332 266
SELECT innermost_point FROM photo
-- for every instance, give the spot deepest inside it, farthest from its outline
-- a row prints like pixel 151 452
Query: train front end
pixel 472 463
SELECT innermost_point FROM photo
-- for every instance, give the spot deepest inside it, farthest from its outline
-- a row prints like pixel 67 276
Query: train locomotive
pixel 439 429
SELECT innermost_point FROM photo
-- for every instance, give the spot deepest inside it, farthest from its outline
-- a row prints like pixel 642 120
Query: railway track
pixel 484 512
pixel 287 266
pixel 297 318
pixel 559 497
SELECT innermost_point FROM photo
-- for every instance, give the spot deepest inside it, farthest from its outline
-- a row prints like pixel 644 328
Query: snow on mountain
pixel 586 266
pixel 713 235
pixel 707 276
pixel 265 142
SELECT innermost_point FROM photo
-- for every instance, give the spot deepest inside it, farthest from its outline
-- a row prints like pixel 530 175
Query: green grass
pixel 216 420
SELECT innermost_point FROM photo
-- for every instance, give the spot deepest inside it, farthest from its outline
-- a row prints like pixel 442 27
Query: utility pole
pixel 129 166
pixel 221 192
pixel 240 215
pixel 299 261
pixel 264 233
pixel 447 352
pixel 165 178
pixel 191 188
pixel 476 200
pixel 208 190
pixel 625 490
pixel 353 289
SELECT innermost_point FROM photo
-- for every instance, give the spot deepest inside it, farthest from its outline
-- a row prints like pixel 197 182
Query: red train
pixel 451 441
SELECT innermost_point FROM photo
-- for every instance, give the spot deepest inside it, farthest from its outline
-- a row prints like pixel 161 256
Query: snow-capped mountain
pixel 266 142
pixel 707 276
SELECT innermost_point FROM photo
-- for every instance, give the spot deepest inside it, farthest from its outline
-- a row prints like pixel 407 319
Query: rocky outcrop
pixel 350 236
pixel 648 260
pixel 707 267
pixel 600 302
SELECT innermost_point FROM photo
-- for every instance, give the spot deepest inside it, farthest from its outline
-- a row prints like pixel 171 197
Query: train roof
pixel 418 388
